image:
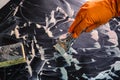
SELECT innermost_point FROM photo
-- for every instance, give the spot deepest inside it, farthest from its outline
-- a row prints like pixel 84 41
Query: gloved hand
pixel 92 14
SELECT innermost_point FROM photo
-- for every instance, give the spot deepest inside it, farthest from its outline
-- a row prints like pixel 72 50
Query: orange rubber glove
pixel 92 14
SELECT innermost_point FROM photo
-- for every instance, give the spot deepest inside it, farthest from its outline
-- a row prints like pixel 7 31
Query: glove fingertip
pixel 74 35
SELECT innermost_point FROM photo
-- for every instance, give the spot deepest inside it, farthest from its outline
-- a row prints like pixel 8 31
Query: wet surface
pixel 97 57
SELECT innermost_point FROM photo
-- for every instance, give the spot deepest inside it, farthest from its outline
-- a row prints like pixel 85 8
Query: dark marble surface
pixel 39 23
